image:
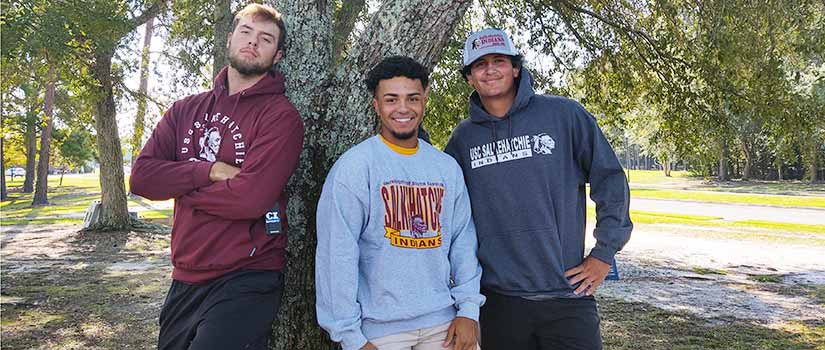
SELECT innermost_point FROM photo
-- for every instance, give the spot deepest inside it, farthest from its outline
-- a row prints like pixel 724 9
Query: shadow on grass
pixel 79 299
pixel 629 325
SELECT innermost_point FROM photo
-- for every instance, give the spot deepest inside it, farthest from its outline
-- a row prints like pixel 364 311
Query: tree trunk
pixel 746 151
pixel 723 162
pixel 223 25
pixel 114 214
pixel 666 167
pixel 779 172
pixel 31 147
pixel 336 110
pixel 3 193
pixel 140 117
pixel 42 185
pixel 343 22
pixel 812 166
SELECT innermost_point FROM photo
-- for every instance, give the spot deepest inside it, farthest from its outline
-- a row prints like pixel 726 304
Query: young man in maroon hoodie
pixel 225 157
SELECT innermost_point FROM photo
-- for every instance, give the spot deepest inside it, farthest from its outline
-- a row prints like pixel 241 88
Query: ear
pixel 426 95
pixel 516 72
pixel 229 39
pixel 279 55
pixel 375 106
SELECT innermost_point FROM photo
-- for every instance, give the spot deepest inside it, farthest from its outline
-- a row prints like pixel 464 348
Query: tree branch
pixel 150 12
pixel 342 24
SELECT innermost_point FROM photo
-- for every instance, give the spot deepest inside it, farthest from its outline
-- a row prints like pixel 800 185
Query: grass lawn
pixel 79 300
pixel 631 326
pixel 655 218
pixel 67 202
pixel 726 197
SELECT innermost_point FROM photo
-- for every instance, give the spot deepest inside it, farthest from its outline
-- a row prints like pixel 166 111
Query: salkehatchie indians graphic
pixel 207 133
pixel 508 149
pixel 412 213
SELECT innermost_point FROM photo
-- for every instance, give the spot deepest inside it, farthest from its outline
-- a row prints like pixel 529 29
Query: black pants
pixel 235 311
pixel 515 323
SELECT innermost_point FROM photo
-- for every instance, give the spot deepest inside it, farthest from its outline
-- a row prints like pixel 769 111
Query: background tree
pixel 140 116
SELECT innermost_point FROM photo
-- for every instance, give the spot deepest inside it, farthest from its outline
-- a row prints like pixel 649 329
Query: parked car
pixel 15 171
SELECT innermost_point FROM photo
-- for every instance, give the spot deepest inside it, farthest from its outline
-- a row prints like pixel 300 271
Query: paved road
pixel 732 212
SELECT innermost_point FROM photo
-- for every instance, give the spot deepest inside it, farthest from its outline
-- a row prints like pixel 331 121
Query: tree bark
pixel 335 107
pixel 140 117
pixel 31 147
pixel 223 25
pixel 3 193
pixel 343 22
pixel 42 184
pixel 812 166
pixel 723 162
pixel 748 153
pixel 114 214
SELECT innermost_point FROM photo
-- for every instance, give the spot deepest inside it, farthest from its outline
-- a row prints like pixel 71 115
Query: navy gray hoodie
pixel 526 174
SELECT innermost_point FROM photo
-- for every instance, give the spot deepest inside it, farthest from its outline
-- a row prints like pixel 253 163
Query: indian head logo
pixel 412 212
pixel 207 134
pixel 543 144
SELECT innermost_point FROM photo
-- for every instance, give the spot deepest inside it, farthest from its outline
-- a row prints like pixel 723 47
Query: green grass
pixel 657 177
pixel 654 218
pixel 723 197
pixel 632 326
pixel 709 271
pixel 67 202
pixel 767 278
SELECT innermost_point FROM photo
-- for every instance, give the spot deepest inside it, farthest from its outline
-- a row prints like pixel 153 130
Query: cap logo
pixel 488 41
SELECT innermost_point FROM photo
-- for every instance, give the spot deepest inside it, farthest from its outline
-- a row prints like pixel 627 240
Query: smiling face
pixel 399 102
pixel 493 76
pixel 253 46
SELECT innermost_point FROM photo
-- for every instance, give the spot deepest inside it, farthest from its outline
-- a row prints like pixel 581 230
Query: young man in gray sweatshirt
pixel 396 264
pixel 526 159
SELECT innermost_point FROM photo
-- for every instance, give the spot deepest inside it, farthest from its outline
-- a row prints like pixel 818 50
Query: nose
pixel 403 107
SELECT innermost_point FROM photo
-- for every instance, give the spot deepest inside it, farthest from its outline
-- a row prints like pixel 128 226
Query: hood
pixel 271 84
pixel 523 95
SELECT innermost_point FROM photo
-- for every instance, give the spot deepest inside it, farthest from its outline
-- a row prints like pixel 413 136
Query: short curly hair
pixel 397 66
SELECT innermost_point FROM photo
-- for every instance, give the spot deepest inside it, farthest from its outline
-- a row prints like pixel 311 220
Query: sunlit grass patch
pixel 640 217
pixel 709 271
pixel 632 326
pixel 767 278
pixel 726 197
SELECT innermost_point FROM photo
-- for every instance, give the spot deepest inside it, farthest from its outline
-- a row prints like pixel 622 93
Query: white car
pixel 16 171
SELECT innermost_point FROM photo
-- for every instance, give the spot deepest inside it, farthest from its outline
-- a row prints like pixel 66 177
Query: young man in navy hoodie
pixel 526 159
pixel 225 157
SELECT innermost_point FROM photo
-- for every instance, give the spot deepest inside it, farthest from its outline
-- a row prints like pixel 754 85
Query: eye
pixel 268 40
pixel 390 100
pixel 414 99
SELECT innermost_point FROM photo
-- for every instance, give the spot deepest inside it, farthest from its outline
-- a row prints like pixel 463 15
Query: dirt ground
pixel 61 289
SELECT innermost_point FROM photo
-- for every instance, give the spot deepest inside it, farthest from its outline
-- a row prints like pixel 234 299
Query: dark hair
pixel 264 12
pixel 397 66
pixel 516 60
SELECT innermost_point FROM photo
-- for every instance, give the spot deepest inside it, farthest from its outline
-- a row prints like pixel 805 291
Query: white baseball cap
pixel 486 42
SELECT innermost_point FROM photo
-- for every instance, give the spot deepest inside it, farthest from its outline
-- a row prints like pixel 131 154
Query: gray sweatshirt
pixel 396 244
pixel 526 174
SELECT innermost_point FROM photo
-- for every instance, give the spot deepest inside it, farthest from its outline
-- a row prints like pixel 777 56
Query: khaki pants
pixel 421 339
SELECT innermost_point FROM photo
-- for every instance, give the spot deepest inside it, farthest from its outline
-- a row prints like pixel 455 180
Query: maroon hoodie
pixel 218 226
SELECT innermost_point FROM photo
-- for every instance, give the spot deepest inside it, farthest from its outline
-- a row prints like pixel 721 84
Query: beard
pixel 404 135
pixel 248 68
